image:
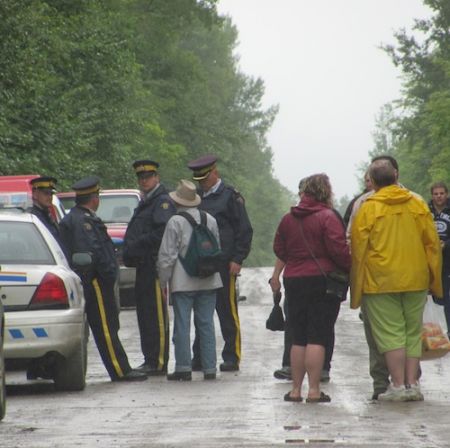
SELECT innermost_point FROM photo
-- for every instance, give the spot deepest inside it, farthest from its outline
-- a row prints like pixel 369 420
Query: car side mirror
pixel 82 259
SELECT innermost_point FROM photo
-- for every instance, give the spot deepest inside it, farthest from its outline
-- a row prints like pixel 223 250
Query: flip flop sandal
pixel 288 397
pixel 323 398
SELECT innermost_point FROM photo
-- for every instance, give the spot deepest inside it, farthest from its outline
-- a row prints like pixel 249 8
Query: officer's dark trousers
pixel 227 311
pixel 152 318
pixel 103 318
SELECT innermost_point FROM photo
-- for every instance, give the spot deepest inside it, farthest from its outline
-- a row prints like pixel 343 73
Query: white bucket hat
pixel 185 194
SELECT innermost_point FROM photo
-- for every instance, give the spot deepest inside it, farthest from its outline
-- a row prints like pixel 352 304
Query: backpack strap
pixel 202 218
pixel 189 217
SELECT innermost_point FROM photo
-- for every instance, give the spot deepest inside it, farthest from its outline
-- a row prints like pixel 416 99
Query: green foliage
pixel 88 86
pixel 417 131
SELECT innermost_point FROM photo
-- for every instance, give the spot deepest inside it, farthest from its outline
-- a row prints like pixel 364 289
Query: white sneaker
pixel 394 394
pixel 413 393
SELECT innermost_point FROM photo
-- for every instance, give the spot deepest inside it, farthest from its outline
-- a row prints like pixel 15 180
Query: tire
pixel 70 373
pixel 2 385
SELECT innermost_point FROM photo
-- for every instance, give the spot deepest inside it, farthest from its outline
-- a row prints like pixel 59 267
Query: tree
pixel 422 132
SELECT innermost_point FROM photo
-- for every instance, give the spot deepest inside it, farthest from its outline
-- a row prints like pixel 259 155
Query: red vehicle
pixel 116 209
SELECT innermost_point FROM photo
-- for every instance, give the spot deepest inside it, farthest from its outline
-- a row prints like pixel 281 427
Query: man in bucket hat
pixel 189 292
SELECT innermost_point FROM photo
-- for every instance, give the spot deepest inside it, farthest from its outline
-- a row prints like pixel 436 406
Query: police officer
pixel 227 206
pixel 42 190
pixel 141 245
pixel 83 231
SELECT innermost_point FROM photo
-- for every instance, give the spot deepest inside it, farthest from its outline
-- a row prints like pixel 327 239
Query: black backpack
pixel 203 256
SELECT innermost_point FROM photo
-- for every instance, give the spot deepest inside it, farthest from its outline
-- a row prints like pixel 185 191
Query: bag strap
pixel 203 217
pixel 309 249
pixel 192 220
pixel 189 217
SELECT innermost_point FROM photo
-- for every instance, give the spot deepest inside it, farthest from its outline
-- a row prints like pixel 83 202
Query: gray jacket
pixel 174 242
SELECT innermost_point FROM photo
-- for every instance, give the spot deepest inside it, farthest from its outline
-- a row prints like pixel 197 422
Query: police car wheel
pixel 70 373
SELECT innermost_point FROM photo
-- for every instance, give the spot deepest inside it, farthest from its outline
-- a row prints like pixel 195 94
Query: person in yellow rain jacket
pixel 396 260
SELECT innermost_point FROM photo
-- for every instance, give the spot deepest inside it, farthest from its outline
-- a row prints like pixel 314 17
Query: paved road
pixel 243 409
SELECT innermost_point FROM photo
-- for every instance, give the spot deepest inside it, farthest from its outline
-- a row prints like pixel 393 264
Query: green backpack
pixel 203 257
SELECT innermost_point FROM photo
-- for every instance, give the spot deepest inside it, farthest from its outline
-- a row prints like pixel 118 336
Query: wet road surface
pixel 239 409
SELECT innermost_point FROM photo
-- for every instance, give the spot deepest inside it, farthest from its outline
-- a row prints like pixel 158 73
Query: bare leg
pixel 297 369
pixel 396 362
pixel 412 370
pixel 314 357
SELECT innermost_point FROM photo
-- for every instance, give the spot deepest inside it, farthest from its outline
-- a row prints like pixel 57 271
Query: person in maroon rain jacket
pixel 310 241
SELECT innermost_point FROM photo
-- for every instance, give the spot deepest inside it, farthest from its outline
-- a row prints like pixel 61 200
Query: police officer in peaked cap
pixel 42 190
pixel 141 245
pixel 83 231
pixel 226 205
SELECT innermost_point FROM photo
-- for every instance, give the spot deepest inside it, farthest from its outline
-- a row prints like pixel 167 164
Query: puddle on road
pixel 310 441
pixel 297 427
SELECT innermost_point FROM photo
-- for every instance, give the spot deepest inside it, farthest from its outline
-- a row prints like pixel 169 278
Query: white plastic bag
pixel 435 342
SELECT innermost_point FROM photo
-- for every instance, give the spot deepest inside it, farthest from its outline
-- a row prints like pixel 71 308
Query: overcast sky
pixel 321 64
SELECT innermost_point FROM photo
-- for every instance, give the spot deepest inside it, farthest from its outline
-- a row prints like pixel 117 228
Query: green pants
pixel 377 365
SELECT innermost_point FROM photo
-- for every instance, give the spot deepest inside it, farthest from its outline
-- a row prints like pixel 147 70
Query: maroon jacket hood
pixel 307 206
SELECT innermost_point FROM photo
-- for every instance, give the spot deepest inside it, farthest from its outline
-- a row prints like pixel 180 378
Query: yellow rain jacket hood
pixel 395 246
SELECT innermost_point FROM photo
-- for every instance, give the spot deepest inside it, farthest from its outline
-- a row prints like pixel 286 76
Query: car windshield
pixel 67 202
pixel 23 243
pixel 117 208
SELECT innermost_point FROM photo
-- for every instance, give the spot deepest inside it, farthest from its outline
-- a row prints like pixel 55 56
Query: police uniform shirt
pixel 227 206
pixel 146 228
pixel 83 231
pixel 46 218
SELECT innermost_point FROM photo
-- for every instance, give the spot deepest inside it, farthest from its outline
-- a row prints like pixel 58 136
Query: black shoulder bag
pixel 336 281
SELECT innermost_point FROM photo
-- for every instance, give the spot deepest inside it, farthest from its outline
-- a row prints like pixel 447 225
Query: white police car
pixel 46 331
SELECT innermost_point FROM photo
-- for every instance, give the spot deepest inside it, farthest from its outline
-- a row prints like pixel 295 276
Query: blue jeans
pixel 204 304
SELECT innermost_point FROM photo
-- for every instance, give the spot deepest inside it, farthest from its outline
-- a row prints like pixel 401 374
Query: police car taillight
pixel 51 293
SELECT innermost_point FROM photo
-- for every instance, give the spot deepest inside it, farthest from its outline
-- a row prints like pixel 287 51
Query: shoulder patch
pixel 87 226
pixel 238 196
pixel 165 205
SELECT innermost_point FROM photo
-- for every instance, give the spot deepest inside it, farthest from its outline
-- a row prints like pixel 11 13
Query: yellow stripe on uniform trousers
pixel 235 315
pixel 161 324
pixel 106 333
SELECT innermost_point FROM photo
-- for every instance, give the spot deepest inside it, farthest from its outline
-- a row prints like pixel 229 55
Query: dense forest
pixel 88 86
pixel 416 128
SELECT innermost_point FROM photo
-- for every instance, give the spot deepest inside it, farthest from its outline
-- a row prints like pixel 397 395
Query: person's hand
pixel 275 284
pixel 235 268
pixel 164 294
